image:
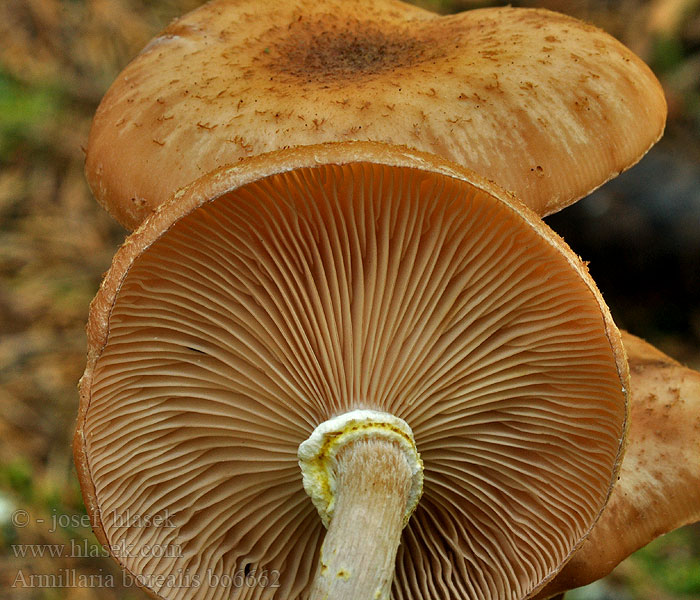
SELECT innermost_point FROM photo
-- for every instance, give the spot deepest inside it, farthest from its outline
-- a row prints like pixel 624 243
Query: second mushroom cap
pixel 545 105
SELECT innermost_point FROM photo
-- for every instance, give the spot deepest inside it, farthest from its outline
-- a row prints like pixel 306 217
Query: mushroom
pixel 659 486
pixel 359 335
pixel 547 106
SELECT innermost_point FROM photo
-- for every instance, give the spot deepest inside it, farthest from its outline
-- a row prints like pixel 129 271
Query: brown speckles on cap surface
pixel 473 87
pixel 332 50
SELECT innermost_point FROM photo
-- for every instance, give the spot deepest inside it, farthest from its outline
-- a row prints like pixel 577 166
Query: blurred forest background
pixel 641 233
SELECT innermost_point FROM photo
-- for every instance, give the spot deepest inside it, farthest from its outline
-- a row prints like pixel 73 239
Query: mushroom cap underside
pixel 277 293
pixel 546 106
pixel 659 486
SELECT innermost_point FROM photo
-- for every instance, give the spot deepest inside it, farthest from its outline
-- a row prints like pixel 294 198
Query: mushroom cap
pixel 659 486
pixel 277 293
pixel 546 106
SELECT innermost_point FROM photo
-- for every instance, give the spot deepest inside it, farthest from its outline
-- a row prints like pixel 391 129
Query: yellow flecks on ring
pixel 317 455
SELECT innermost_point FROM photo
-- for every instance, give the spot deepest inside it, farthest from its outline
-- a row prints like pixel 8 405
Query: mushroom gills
pixel 324 280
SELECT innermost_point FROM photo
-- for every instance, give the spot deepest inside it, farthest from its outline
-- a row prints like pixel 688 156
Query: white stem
pixel 373 481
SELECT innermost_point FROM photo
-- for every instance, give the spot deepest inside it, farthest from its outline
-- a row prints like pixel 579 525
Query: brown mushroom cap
pixel 280 292
pixel 545 105
pixel 659 486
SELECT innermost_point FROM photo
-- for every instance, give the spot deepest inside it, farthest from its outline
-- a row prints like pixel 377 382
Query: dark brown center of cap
pixel 328 49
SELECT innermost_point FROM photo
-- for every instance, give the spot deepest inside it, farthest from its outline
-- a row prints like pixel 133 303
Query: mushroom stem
pixel 358 554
